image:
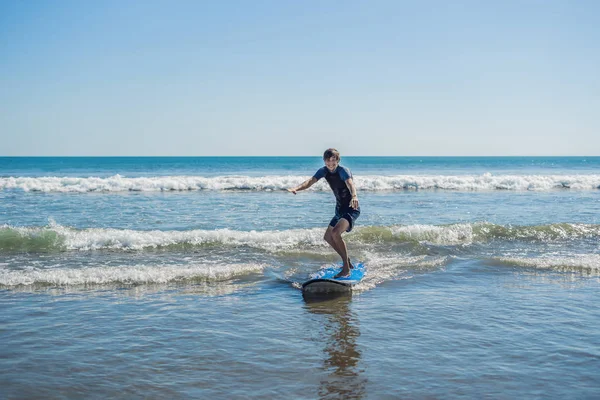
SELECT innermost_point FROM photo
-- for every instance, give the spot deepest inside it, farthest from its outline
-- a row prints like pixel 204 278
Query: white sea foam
pixel 107 238
pixel 384 268
pixel 589 263
pixel 130 274
pixel 59 237
pixel 457 234
pixel 436 234
pixel 119 183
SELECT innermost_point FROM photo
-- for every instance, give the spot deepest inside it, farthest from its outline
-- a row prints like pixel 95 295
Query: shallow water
pixel 469 330
pixel 470 292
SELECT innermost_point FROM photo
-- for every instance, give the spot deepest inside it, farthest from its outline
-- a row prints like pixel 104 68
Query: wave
pixel 479 232
pixel 60 238
pixel 57 237
pixel 118 183
pixel 128 275
pixel 582 263
pixel 381 269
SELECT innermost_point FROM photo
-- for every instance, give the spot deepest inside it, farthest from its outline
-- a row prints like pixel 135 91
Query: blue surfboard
pixel 324 281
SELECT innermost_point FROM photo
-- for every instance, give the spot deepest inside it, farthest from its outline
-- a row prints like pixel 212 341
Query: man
pixel 347 209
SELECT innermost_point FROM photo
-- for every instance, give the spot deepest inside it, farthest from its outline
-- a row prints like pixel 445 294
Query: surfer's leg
pixel 329 239
pixel 336 235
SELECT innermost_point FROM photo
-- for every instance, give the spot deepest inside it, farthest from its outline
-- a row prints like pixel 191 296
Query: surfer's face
pixel 331 163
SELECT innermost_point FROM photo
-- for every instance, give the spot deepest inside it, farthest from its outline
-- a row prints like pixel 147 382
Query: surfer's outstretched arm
pixel 304 185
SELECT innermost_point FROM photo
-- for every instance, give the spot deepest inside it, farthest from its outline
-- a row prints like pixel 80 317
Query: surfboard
pixel 324 281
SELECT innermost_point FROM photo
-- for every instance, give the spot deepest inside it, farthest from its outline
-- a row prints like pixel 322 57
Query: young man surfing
pixel 346 207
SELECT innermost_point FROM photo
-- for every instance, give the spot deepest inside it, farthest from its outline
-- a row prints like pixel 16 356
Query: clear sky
pixel 288 77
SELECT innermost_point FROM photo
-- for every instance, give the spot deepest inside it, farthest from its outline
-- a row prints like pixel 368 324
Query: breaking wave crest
pixel 129 275
pixel 57 237
pixel 479 232
pixel 581 263
pixel 60 238
pixel 118 183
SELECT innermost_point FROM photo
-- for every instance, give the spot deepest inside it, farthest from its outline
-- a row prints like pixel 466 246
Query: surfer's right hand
pixel 292 190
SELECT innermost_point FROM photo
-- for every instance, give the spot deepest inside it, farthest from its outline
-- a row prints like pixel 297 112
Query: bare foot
pixel 350 262
pixel 344 273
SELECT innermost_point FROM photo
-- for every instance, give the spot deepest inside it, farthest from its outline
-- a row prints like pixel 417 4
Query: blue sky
pixel 295 77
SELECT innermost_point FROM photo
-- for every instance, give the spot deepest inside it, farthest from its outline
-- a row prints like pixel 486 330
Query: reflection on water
pixel 341 328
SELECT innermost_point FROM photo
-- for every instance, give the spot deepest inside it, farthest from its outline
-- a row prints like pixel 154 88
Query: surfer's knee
pixel 338 230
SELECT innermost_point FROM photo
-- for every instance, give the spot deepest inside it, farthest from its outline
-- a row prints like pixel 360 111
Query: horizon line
pixel 289 156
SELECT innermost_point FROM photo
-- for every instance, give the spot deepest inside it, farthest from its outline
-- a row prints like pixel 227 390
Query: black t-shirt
pixel 337 181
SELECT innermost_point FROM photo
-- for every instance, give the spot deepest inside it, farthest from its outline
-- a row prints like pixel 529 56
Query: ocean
pixel 155 277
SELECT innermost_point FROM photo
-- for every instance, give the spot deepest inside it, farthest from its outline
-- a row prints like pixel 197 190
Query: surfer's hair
pixel 331 153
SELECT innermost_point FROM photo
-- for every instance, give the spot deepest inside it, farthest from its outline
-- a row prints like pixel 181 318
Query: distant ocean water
pixel 154 277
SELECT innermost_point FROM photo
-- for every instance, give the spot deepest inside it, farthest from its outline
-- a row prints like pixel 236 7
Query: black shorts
pixel 349 214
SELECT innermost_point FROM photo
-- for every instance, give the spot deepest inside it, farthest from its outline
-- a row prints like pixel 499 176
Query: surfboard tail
pixel 325 281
